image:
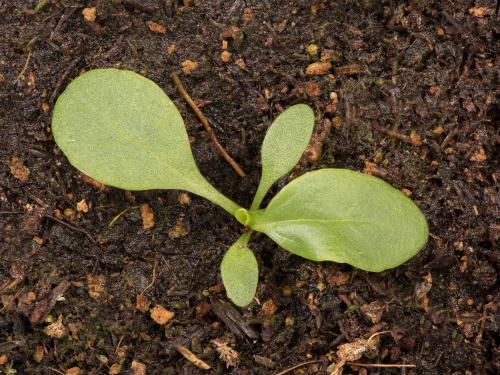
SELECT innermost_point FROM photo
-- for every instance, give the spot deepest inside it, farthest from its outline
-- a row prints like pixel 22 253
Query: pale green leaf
pixel 122 130
pixel 240 273
pixel 345 217
pixel 283 146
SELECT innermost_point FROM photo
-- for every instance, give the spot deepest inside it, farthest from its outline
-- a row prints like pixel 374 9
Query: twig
pixel 24 68
pixel 75 228
pixel 191 357
pixel 119 343
pixel 206 125
pixel 64 17
pixel 379 365
pixel 43 307
pixel 232 318
pixel 297 366
pixel 64 77
pixel 481 328
pixel 153 278
pixel 120 215
pixel 378 334
pixel 56 370
pixel 413 139
pixel 448 138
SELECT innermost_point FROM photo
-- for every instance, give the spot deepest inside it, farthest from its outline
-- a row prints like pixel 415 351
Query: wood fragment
pixel 264 361
pixel 350 69
pixel 232 318
pixel 206 125
pixel 42 308
pixel 191 357
pixel 195 331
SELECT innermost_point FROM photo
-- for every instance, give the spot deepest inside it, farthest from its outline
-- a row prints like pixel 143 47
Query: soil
pixel 412 96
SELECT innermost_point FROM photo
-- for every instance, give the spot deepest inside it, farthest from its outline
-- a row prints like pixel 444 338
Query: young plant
pixel 122 130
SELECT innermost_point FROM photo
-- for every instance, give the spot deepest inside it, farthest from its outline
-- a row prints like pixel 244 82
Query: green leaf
pixel 122 130
pixel 283 146
pixel 240 272
pixel 345 217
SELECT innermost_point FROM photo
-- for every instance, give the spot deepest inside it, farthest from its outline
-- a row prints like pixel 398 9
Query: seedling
pixel 122 130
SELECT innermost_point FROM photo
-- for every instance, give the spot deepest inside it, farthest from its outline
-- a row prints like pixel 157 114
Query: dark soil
pixel 416 83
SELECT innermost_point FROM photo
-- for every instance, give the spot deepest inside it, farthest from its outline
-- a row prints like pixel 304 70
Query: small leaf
pixel 345 217
pixel 240 273
pixel 283 146
pixel 121 129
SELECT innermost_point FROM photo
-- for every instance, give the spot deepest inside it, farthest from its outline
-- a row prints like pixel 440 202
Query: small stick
pixel 120 215
pixel 191 357
pixel 206 125
pixel 75 228
pixel 153 278
pixel 64 77
pixel 448 138
pixel 414 140
pixel 378 334
pixel 297 366
pixel 24 68
pixel 119 343
pixel 379 365
pixel 56 370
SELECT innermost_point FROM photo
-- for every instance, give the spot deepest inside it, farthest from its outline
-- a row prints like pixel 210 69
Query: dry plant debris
pixel 191 357
pixel 57 329
pixel 142 303
pixel 189 66
pixel 161 315
pixel 227 354
pixel 138 368
pixel 89 14
pixel 156 27
pixel 96 285
pixel 318 68
pixel 147 215
pixel 18 169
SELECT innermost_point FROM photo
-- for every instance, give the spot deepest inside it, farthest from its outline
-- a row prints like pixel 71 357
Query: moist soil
pixel 412 98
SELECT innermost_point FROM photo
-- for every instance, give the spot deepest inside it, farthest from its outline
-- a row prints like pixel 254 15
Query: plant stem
pixel 246 237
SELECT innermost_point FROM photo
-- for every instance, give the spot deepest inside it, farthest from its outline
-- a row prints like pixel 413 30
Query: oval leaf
pixel 284 144
pixel 345 217
pixel 240 273
pixel 122 130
